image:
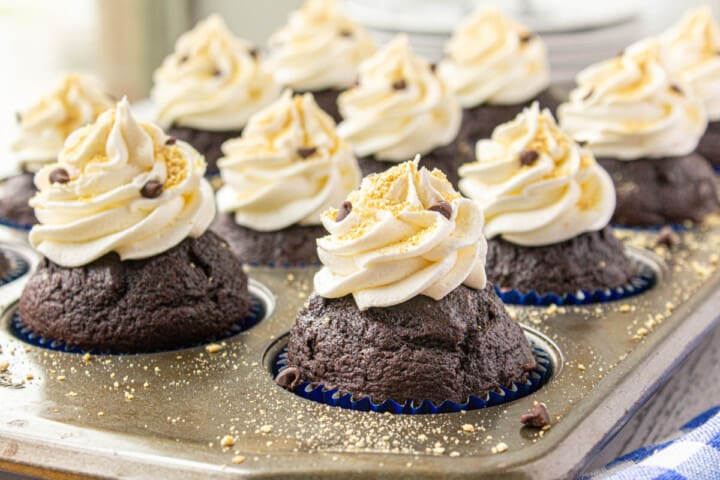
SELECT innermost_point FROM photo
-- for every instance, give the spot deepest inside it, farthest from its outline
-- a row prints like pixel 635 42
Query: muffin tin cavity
pixel 547 357
pixel 648 273
pixel 262 306
pixel 19 265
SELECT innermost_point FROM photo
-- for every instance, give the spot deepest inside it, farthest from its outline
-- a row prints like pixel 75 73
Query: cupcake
pixel 128 264
pixel 319 51
pixel 690 54
pixel 207 89
pixel 76 100
pixel 402 309
pixel 401 108
pixel 496 67
pixel 547 204
pixel 286 169
pixel 643 128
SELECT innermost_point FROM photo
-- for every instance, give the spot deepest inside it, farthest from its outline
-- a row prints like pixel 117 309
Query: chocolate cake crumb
pixel 537 416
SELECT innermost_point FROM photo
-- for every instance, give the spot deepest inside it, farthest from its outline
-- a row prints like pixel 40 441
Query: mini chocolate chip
pixel 537 416
pixel 288 378
pixel 676 89
pixel 217 72
pixel 399 84
pixel 443 208
pixel 343 211
pixel 254 52
pixel 170 141
pixel 347 33
pixel 306 152
pixel 526 37
pixel 621 53
pixel 589 94
pixel 183 59
pixel 582 143
pixel 528 157
pixel 433 67
pixel 18 117
pixel 667 237
pixel 59 175
pixel 152 189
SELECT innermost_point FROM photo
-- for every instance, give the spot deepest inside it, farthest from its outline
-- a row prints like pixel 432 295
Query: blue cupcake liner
pixel 19 266
pixel 644 280
pixel 336 398
pixel 21 331
pixel 677 227
pixel 6 222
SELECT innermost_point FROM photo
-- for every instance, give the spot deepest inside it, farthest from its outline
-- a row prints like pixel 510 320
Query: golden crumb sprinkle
pixel 175 164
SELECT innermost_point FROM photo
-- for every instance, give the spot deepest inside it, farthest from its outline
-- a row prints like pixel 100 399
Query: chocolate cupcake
pixel 402 310
pixel 76 100
pixel 128 265
pixel 690 54
pixel 207 89
pixel 318 51
pixel 643 128
pixel 399 109
pixel 286 169
pixel 547 204
pixel 496 67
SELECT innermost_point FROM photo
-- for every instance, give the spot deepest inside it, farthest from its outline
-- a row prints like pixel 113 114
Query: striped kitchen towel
pixel 692 454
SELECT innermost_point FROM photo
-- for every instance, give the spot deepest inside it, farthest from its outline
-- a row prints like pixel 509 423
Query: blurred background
pixel 123 41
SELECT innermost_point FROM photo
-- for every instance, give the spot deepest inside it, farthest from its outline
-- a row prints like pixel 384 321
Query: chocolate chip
pixel 676 89
pixel 343 211
pixel 443 208
pixel 18 117
pixel 526 37
pixel 582 143
pixel 254 52
pixel 528 157
pixel 59 175
pixel 306 152
pixel 152 189
pixel 537 416
pixel 347 33
pixel 217 72
pixel 183 59
pixel 621 53
pixel 399 84
pixel 433 67
pixel 288 378
pixel 588 94
pixel 170 141
pixel 667 237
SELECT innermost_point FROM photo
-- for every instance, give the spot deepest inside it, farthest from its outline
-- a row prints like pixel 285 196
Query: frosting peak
pixel 535 185
pixel 400 108
pixel 119 186
pixel 627 107
pixel 319 48
pixel 690 53
pixel 493 59
pixel 75 101
pixel 213 80
pixel 405 232
pixel 287 168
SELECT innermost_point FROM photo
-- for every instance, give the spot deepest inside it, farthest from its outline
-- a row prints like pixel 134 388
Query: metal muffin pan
pixel 169 414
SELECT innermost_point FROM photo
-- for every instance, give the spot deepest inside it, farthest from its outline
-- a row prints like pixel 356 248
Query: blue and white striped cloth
pixel 692 454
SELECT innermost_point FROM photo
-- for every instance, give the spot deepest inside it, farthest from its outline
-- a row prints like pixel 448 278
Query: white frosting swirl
pixel 493 59
pixel 213 80
pixel 101 208
pixel 555 196
pixel 287 168
pixel 392 247
pixel 75 101
pixel 691 53
pixel 400 108
pixel 628 108
pixel 319 48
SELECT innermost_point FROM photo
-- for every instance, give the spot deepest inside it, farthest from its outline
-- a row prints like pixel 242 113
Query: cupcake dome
pixel 402 309
pixel 128 263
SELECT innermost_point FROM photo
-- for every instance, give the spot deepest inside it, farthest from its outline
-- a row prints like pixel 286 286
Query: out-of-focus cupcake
pixel 399 109
pixel 691 53
pixel 208 88
pixel 319 51
pixel 402 309
pixel 644 129
pixel 128 264
pixel 547 205
pixel 496 67
pixel 75 101
pixel 287 168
